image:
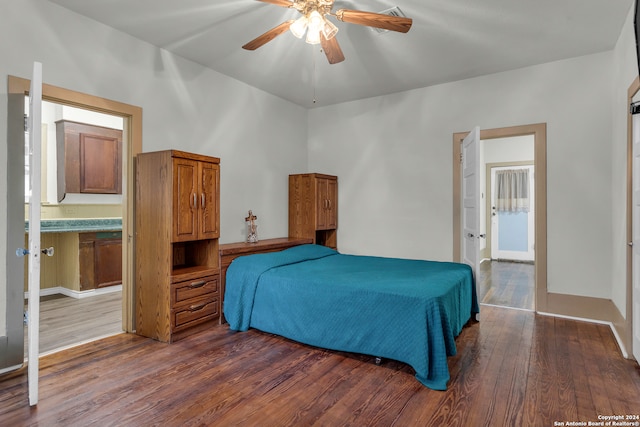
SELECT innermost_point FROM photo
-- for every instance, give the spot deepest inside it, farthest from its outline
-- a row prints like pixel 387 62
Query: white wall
pixel 393 156
pixel 512 149
pixel 259 138
pixel 625 70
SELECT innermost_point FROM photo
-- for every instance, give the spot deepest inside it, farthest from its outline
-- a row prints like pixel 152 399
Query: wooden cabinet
pixel 313 208
pixel 89 159
pixel 100 258
pixel 177 229
pixel 231 251
pixel 195 201
pixel 326 203
pixel 83 261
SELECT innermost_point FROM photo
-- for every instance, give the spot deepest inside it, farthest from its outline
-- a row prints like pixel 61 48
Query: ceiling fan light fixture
pixel 329 30
pixel 299 26
pixel 313 37
pixel 315 20
pixel 316 23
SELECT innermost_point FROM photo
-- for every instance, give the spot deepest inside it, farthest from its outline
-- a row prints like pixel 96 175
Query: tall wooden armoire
pixel 177 231
pixel 313 208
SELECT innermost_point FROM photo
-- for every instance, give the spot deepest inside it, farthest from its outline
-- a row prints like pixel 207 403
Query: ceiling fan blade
pixel 377 20
pixel 268 36
pixel 283 3
pixel 332 50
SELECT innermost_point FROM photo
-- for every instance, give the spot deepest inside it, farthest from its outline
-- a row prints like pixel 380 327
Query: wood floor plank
pixel 509 387
pixel 563 350
pixel 512 368
pixel 543 386
pixel 65 321
pixel 577 368
pixel 507 284
pixel 498 367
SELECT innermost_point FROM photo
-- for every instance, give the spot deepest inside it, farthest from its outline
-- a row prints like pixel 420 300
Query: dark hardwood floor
pixel 514 368
pixel 507 284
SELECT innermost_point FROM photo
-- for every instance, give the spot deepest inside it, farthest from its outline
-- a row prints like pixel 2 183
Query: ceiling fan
pixel 320 30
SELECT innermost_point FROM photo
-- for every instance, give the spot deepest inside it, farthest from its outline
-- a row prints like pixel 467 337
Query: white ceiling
pixel 450 40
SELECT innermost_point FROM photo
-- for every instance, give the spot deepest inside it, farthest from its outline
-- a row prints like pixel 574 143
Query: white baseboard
pixel 10 368
pixel 76 294
pixel 503 306
pixel 67 347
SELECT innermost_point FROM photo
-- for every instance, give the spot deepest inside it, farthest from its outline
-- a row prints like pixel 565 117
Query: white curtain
pixel 512 190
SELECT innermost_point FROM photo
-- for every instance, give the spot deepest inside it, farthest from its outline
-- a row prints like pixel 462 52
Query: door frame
pixel 539 132
pixel 132 130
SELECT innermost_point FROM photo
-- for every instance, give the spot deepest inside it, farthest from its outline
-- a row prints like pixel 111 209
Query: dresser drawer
pixel 196 311
pixel 183 291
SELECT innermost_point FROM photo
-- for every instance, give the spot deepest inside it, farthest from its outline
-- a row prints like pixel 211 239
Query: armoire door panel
pixel 209 209
pixel 185 200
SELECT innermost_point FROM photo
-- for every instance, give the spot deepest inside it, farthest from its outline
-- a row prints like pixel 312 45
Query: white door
pixel 35 147
pixel 635 228
pixel 471 200
pixel 519 242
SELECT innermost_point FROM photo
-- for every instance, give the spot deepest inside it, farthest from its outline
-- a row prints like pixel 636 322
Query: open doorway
pixel 81 206
pixel 539 268
pixel 12 348
pixel 506 274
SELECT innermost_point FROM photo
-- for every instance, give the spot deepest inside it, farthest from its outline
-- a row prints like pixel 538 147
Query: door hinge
pixel 26 123
pixel 460 157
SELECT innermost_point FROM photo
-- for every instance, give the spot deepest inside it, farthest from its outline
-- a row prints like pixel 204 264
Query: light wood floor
pixel 514 368
pixel 65 321
pixel 507 284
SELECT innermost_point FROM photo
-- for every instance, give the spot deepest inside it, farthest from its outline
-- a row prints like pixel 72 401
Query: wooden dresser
pixel 177 231
pixel 313 208
pixel 231 251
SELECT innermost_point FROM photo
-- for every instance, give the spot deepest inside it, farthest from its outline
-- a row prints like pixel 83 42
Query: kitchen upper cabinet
pixel 89 159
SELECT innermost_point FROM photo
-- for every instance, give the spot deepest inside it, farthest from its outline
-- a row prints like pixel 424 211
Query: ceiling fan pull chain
pixel 313 77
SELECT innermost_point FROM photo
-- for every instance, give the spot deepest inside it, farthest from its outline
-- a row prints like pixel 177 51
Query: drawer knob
pixel 198 284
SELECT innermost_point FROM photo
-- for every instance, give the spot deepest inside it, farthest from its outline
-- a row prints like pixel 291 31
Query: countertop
pixel 78 225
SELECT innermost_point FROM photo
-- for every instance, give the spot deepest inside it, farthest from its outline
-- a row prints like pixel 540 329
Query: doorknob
pixel 20 252
pixel 48 251
pixel 630 244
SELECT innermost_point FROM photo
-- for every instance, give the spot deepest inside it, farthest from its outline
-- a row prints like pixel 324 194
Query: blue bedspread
pixel 405 310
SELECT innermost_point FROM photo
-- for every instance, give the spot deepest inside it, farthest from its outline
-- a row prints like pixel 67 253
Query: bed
pixel 400 309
